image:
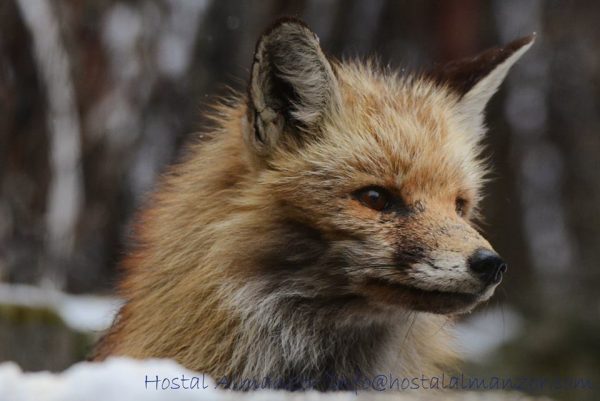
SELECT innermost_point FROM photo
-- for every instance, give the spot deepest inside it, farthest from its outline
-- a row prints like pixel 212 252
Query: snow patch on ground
pixel 85 313
pixel 484 332
pixel 124 379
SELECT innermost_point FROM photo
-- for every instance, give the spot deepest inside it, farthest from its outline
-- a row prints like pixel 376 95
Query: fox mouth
pixel 417 299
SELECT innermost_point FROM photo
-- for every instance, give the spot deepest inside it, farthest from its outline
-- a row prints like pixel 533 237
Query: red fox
pixel 325 228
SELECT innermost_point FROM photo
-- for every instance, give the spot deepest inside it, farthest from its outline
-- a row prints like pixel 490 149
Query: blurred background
pixel 97 97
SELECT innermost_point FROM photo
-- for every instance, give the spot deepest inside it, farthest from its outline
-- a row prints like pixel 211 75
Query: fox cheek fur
pixel 331 207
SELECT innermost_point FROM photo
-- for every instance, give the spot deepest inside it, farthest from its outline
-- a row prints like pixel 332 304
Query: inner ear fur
pixel 292 86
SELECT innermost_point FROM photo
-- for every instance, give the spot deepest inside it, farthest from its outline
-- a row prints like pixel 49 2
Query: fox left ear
pixel 292 87
pixel 476 79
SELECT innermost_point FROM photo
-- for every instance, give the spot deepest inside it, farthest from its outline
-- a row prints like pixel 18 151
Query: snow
pixel 80 312
pixel 124 379
pixel 484 332
pixel 116 379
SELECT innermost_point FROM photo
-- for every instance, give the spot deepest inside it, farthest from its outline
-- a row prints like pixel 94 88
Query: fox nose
pixel 488 265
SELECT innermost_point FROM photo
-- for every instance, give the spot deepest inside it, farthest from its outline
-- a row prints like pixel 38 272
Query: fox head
pixel 369 181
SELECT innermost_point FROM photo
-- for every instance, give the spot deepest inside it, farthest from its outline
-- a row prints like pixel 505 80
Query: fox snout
pixel 488 265
pixel 444 265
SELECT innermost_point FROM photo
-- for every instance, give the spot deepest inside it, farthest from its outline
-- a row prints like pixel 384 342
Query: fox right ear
pixel 292 86
pixel 476 79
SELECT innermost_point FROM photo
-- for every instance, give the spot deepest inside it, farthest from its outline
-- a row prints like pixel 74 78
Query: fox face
pixel 372 179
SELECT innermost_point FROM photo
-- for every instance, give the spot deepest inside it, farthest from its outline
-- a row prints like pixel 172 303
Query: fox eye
pixel 375 198
pixel 461 206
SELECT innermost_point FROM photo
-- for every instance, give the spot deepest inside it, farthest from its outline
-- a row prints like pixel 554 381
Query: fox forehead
pixel 396 132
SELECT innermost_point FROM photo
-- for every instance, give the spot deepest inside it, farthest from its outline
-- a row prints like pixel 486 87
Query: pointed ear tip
pixel 524 42
pixel 530 39
pixel 286 21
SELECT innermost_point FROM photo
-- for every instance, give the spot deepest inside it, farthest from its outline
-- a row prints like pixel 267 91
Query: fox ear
pixel 476 79
pixel 292 86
